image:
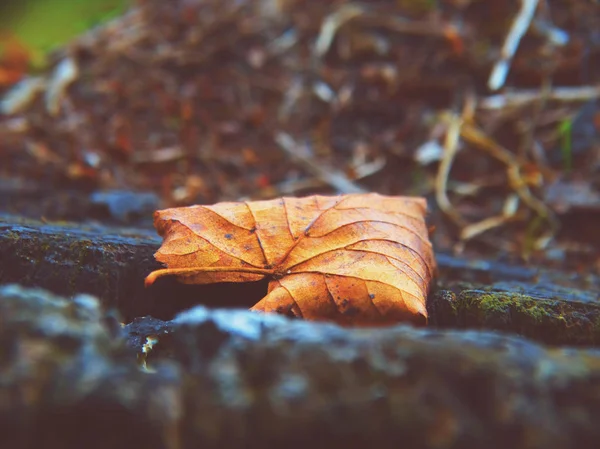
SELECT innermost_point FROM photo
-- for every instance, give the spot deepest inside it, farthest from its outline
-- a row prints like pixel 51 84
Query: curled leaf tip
pixel 152 277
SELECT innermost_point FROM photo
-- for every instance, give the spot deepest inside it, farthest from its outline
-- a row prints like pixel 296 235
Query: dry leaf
pixel 359 259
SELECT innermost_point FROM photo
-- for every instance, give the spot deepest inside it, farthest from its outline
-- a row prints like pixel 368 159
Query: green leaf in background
pixel 565 130
pixel 42 25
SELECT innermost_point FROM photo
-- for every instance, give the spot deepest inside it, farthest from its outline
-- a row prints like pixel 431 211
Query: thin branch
pixel 332 23
pixel 328 175
pixel 517 31
pixel 450 150
pixel 524 97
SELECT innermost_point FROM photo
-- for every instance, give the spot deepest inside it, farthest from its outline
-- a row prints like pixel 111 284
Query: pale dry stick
pixel 22 94
pixel 361 172
pixel 464 127
pixel 470 107
pixel 55 86
pixel 290 98
pixel 477 137
pixel 450 149
pixel 475 229
pixel 346 13
pixel 524 97
pixel 468 231
pixel 284 43
pixel 517 31
pixel 366 169
pixel 509 211
pixel 544 27
pixel 328 175
pixel 332 23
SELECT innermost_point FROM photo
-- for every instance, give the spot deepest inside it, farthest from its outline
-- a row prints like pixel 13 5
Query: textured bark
pixel 243 379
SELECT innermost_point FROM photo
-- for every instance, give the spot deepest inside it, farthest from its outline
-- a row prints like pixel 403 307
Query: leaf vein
pixel 293 299
pixel 346 248
pixel 266 263
pixel 412 231
pixel 222 250
pixel 331 298
pixel 287 218
pixel 358 277
pixel 224 218
pixel 373 302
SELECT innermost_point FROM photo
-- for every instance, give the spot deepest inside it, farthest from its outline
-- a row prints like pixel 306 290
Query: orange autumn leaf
pixel 360 259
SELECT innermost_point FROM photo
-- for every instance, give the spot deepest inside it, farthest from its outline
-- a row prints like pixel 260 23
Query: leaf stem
pixel 177 271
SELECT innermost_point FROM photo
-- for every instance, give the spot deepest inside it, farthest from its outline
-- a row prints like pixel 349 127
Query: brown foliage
pixel 357 259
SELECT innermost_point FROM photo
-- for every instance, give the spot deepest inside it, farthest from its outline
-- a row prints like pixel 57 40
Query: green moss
pixel 80 249
pixel 45 247
pixel 551 321
pixel 12 235
pixel 494 303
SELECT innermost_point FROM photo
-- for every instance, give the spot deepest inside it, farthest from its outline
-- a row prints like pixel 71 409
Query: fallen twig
pixel 450 150
pixel 330 176
pixel 332 23
pixel 481 140
pixel 523 97
pixel 517 31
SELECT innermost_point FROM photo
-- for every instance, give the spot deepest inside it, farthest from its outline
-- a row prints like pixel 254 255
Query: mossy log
pixel 242 379
pixel 111 263
pixel 550 314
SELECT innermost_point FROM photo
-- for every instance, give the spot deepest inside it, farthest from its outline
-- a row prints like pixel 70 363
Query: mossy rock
pixel 556 321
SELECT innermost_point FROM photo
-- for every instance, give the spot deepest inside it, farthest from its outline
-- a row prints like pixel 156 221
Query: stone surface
pixel 547 313
pixel 67 382
pixel 233 378
pixel 302 384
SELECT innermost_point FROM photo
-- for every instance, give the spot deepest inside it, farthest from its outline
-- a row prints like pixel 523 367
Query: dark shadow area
pixel 167 297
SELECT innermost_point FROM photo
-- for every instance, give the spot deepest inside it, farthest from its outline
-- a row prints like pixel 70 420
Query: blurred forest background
pixel 487 109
